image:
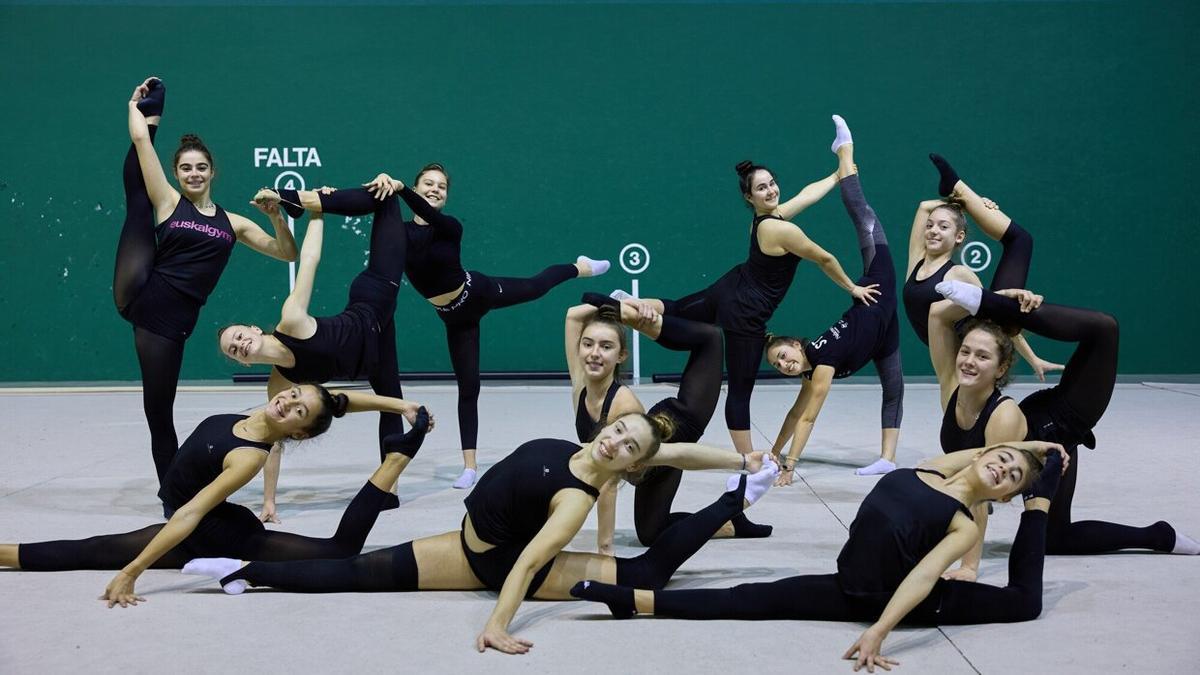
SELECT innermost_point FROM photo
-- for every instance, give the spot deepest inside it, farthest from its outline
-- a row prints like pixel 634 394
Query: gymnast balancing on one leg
pixel 864 333
pixel 218 459
pixel 939 229
pixel 461 298
pixel 525 509
pixel 911 526
pixel 690 411
pixel 358 342
pixel 971 373
pixel 164 274
pixel 746 297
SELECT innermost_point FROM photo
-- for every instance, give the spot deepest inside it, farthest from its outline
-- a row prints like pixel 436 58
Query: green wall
pixel 583 127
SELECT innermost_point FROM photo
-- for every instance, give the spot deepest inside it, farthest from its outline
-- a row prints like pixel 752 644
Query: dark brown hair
pixel 193 142
pixel 332 405
pixel 609 316
pixel 745 171
pixel 1004 345
pixel 432 166
pixel 958 216
pixel 776 340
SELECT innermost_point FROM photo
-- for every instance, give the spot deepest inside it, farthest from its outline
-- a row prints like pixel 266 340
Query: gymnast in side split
pixel 519 517
pixel 165 272
pixel 972 372
pixel 595 346
pixel 939 229
pixel 746 297
pixel 911 526
pixel 221 456
pixel 359 342
pixel 864 333
pixel 460 297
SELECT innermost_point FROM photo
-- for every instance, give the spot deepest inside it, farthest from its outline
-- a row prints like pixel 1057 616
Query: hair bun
pixel 340 403
pixel 190 139
pixel 665 425
pixel 743 167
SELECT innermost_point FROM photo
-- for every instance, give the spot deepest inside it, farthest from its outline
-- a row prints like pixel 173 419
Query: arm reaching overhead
pixel 916 237
pixel 162 195
pixel 294 318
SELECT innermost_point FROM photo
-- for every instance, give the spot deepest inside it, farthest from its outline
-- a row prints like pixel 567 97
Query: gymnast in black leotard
pixel 912 525
pixel 972 375
pixel 746 297
pixel 939 230
pixel 519 517
pixel 866 332
pixel 218 459
pixel 595 345
pixel 165 273
pixel 461 297
pixel 360 342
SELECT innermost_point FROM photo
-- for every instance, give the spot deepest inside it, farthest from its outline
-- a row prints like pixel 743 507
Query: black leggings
pixel 395 568
pixel 388 252
pixel 878 268
pixel 229 530
pixel 691 410
pixel 481 294
pixel 820 597
pixel 159 357
pixel 1074 407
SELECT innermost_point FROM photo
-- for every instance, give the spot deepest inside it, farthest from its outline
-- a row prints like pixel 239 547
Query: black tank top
pixel 434 254
pixel 193 249
pixel 772 274
pixel 200 459
pixel 919 295
pixel 586 428
pixel 900 521
pixel 511 502
pixel 956 438
pixel 345 347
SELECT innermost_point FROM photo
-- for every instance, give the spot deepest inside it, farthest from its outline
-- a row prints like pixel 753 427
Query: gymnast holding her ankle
pixel 173 248
pixel 864 333
pixel 939 230
pixel 520 516
pixel 460 297
pixel 220 457
pixel 595 347
pixel 911 526
pixel 745 298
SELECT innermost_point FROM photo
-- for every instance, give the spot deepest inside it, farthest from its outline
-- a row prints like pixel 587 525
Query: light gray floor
pixel 77 465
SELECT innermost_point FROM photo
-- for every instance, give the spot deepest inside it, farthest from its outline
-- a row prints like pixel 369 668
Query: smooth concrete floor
pixel 74 465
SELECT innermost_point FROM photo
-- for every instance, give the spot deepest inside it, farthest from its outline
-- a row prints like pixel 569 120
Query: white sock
pixel 598 266
pixel 876 468
pixel 1185 545
pixel 217 569
pixel 962 294
pixel 843 133
pixel 466 480
pixel 620 295
pixel 757 484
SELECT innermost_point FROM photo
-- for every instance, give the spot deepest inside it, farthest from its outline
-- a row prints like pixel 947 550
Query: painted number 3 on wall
pixel 634 258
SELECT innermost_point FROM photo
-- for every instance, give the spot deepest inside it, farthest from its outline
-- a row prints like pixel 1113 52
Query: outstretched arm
pixel 294 318
pixel 697 457
pixel 810 405
pixel 794 241
pixel 240 466
pixel 162 195
pixel 282 246
pixel 915 588
pixel 568 510
pixel 361 401
pixel 811 194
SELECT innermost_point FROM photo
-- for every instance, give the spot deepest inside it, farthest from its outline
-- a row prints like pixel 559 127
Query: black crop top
pixel 901 520
pixel 434 265
pixel 201 458
pixel 956 438
pixel 193 249
pixel 586 428
pixel 512 500
pixel 345 347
